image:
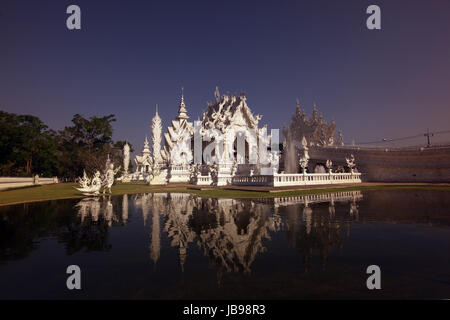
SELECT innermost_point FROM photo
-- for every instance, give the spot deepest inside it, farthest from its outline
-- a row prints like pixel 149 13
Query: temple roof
pixel 176 131
pixel 146 149
pixel 182 112
pixel 143 160
pixel 229 111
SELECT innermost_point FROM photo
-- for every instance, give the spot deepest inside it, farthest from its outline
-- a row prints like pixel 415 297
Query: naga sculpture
pixel 90 187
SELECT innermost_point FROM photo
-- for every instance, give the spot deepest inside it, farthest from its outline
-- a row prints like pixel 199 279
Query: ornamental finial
pixel 182 112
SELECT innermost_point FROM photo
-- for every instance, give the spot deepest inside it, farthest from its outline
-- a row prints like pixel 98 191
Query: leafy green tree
pixel 86 145
pixel 27 146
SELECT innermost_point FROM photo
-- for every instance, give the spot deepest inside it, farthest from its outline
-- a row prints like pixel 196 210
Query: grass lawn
pixel 67 190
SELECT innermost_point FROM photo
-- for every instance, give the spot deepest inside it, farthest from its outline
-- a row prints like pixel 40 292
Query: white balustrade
pixel 204 180
pixel 297 179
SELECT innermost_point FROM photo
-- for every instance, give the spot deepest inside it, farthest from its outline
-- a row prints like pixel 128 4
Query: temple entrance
pixel 241 159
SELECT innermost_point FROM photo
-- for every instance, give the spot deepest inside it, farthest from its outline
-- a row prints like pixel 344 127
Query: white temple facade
pixel 225 146
pixel 178 146
pixel 143 163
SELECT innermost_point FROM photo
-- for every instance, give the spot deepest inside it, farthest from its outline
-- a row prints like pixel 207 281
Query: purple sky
pixel 131 55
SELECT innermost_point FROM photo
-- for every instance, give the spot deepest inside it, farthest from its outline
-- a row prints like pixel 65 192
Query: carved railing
pixel 253 180
pixel 341 196
pixel 295 179
pixel 204 180
pixel 179 167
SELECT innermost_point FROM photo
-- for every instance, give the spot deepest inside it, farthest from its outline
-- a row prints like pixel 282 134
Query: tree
pixel 27 146
pixel 86 145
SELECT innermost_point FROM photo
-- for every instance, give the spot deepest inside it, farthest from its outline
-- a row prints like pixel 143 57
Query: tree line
pixel 29 147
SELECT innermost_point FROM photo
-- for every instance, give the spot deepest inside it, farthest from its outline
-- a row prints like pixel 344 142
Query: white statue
pixel 234 167
pixel 351 163
pixel 303 162
pixel 304 143
pixel 109 177
pixel 274 161
pixel 92 187
pixel 96 182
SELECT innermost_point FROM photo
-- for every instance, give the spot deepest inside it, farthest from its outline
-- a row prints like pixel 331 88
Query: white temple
pixel 178 146
pixel 143 163
pixel 226 146
pixel 231 232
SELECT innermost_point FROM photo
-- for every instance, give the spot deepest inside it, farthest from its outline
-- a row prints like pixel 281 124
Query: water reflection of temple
pixel 232 232
pixel 321 231
pixel 228 231
pixel 154 204
pixel 233 243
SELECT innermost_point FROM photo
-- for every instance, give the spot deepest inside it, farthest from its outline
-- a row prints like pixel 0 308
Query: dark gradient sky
pixel 131 55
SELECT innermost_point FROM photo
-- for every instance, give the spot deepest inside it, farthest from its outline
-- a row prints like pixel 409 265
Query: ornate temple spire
pixel 315 114
pixel 182 112
pixel 299 108
pixel 217 94
pixel 156 138
pixel 146 146
pixel 126 156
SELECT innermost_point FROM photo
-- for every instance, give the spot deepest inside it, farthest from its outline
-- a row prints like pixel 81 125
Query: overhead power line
pixel 427 134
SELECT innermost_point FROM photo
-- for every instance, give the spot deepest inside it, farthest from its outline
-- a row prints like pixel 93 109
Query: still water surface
pixel 180 246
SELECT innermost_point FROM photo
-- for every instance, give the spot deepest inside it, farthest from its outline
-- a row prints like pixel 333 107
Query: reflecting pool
pixel 180 246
